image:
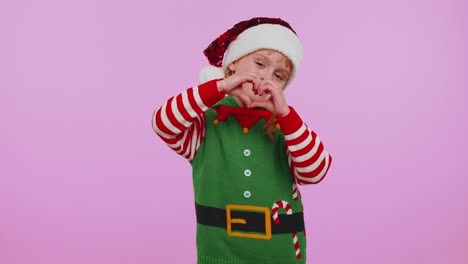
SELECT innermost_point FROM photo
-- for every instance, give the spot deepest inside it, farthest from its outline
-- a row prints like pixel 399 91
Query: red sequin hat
pixel 249 36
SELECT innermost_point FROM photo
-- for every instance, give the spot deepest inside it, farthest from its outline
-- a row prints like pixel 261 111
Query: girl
pixel 248 148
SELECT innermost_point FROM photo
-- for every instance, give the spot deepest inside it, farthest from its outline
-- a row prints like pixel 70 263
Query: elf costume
pixel 247 203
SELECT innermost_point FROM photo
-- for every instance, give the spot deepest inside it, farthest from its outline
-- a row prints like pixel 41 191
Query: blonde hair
pixel 270 124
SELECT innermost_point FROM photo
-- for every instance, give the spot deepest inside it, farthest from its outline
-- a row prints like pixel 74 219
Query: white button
pixel 246 152
pixel 247 194
pixel 247 173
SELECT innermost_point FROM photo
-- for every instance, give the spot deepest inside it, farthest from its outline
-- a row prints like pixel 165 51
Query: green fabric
pixel 218 180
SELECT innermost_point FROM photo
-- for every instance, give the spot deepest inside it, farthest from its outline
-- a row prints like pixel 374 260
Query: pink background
pixel 84 179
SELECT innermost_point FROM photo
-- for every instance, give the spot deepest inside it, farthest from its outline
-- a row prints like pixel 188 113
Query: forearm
pixel 309 160
pixel 180 120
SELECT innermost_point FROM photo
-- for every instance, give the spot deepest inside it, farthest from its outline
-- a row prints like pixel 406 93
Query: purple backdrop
pixel 84 179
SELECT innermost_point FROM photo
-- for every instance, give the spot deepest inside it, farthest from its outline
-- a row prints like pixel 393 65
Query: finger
pixel 260 91
pixel 260 88
pixel 271 85
pixel 245 98
pixel 265 104
pixel 254 79
pixel 264 88
pixel 257 104
pixel 255 90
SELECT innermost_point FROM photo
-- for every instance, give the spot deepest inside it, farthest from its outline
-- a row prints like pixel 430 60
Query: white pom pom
pixel 209 73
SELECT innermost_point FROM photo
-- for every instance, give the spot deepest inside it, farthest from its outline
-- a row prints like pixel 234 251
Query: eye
pixel 261 65
pixel 279 77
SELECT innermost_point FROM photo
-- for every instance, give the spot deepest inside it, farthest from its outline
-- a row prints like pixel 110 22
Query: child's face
pixel 267 65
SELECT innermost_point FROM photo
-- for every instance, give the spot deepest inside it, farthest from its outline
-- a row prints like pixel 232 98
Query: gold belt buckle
pixel 230 221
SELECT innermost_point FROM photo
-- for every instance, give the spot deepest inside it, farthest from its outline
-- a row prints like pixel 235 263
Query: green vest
pixel 232 167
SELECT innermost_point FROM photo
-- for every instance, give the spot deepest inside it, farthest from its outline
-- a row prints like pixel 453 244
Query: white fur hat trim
pixel 210 72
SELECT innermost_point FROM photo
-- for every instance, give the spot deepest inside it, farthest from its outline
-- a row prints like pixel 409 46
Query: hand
pixel 276 103
pixel 233 85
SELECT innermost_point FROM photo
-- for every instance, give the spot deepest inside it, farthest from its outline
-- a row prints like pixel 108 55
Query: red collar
pixel 245 116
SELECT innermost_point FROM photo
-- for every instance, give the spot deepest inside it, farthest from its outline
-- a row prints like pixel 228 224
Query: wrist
pixel 220 85
pixel 283 112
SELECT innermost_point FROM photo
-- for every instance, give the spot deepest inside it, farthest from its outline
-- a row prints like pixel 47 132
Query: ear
pixel 232 66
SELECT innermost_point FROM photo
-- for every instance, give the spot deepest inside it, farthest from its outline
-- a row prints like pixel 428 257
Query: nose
pixel 264 74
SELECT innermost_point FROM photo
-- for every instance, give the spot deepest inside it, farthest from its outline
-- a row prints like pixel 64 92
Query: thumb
pixel 264 104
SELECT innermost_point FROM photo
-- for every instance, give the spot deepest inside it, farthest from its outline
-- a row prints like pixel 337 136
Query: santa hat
pixel 249 36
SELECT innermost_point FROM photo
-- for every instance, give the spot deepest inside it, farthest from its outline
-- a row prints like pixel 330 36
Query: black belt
pixel 255 221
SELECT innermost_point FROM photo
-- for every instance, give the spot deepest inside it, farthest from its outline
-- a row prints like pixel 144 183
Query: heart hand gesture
pixel 249 89
pixel 276 102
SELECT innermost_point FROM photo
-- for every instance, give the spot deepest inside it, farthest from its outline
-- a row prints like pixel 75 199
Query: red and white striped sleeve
pixel 308 159
pixel 180 121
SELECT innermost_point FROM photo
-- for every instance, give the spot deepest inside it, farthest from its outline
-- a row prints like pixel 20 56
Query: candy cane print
pixel 294 187
pixel 276 206
pixel 285 205
pixel 296 193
